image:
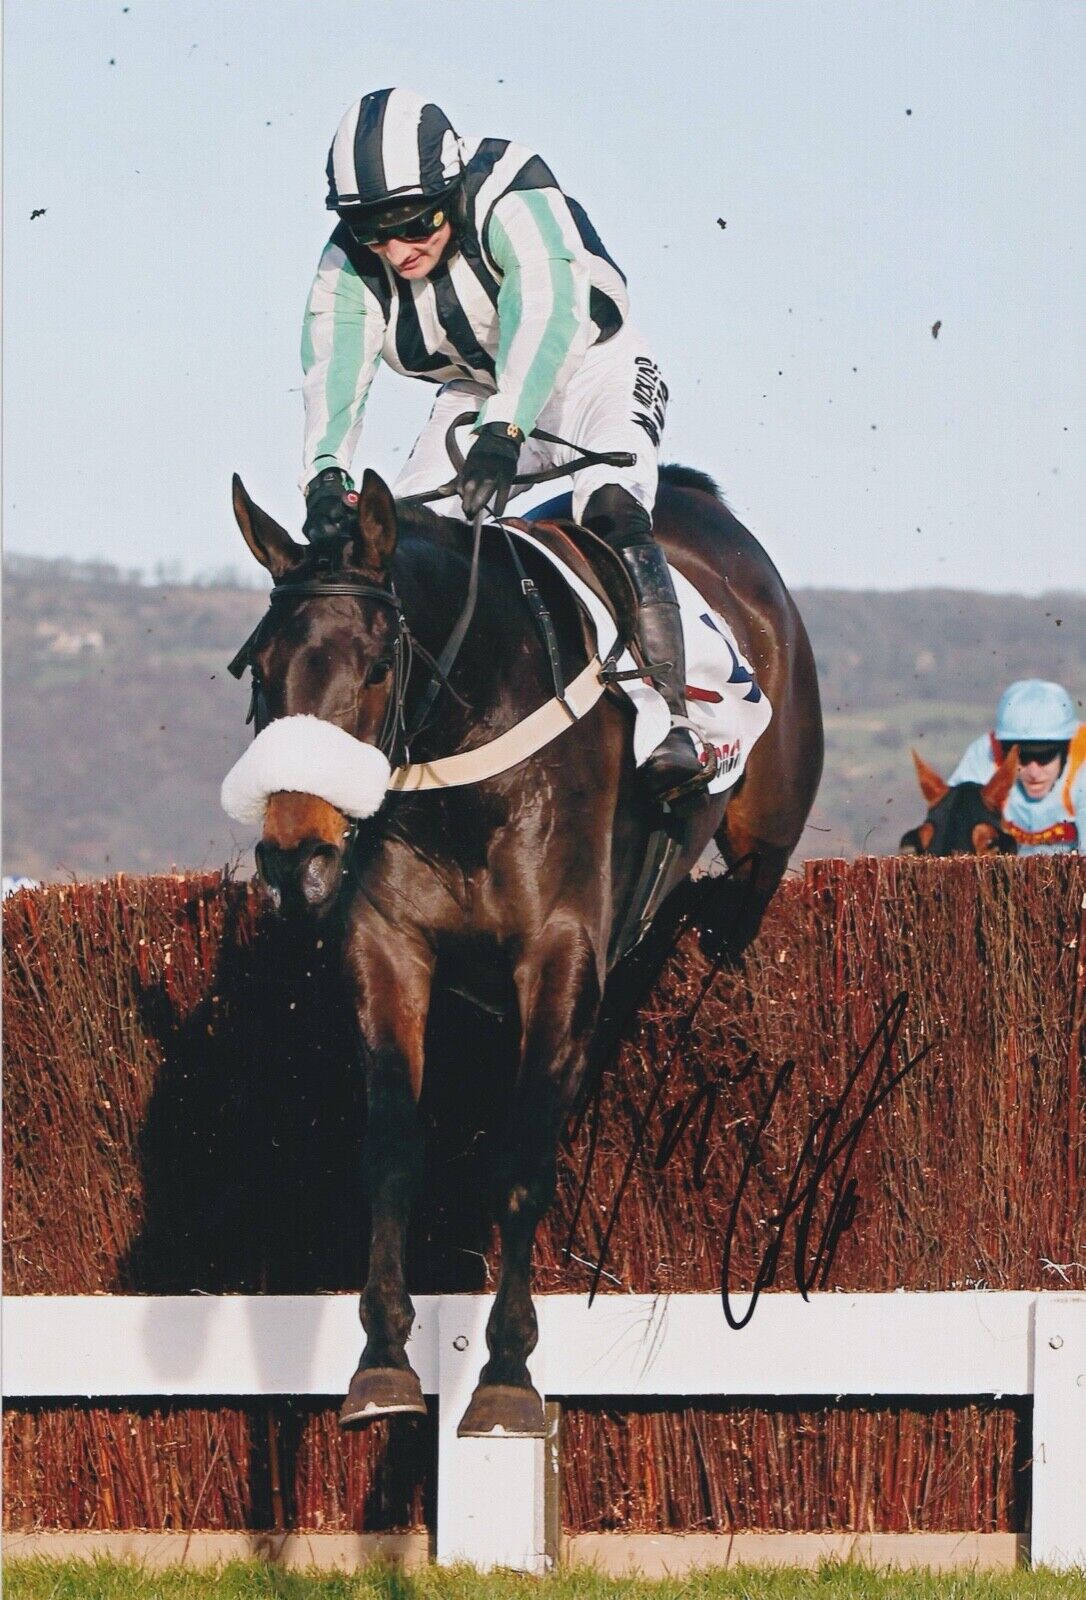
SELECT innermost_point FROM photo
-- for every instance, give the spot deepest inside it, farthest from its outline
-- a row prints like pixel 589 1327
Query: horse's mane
pixel 681 477
pixel 418 519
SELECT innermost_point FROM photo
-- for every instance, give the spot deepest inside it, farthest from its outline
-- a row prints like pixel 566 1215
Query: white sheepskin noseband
pixel 308 756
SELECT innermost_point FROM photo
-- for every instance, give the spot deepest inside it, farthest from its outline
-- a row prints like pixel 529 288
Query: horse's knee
pixel 529 1193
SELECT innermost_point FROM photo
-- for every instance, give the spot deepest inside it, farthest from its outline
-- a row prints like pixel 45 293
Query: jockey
pixel 1046 809
pixel 461 262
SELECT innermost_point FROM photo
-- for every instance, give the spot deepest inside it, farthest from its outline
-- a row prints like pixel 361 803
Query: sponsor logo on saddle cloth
pixel 723 700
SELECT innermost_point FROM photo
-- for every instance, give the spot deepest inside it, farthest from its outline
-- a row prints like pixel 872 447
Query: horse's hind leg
pixel 393 984
pixel 766 816
pixel 558 986
pixel 729 909
pixel 768 809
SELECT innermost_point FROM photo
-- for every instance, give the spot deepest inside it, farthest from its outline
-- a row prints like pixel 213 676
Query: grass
pixel 109 1580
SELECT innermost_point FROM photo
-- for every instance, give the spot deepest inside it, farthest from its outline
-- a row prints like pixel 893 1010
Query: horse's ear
pixel 376 538
pixel 932 787
pixel 271 545
pixel 999 785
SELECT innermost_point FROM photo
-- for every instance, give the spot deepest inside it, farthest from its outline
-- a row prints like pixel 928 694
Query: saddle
pixel 594 562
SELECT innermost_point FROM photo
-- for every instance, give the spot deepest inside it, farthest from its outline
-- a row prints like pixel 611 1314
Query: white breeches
pixel 615 401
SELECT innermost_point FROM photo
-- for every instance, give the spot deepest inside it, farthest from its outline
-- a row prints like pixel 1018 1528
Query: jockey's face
pixel 1038 777
pixel 415 258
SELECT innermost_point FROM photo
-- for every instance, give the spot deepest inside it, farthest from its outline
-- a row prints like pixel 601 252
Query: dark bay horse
pixel 523 874
pixel 963 818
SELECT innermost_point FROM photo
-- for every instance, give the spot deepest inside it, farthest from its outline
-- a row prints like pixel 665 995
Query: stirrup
pixel 692 789
pixel 696 785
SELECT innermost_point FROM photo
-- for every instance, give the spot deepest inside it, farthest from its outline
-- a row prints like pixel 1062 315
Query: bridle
pixel 396 734
pixel 393 740
pixel 316 589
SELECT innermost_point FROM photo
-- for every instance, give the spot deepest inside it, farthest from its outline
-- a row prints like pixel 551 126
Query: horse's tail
pixel 681 477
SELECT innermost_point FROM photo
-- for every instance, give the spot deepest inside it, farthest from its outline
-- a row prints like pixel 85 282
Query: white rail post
pixel 489 1491
pixel 1058 1533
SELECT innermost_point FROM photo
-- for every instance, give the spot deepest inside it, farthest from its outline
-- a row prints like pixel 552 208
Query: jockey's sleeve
pixel 544 327
pixel 1078 806
pixel 342 333
pixel 976 765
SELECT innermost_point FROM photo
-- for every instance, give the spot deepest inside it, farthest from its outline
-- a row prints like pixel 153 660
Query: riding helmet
pixel 393 152
pixel 1034 711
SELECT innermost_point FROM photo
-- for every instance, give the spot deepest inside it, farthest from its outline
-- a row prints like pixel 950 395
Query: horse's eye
pixel 378 673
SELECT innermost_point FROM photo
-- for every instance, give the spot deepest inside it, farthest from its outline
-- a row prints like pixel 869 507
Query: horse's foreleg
pixel 558 986
pixel 393 997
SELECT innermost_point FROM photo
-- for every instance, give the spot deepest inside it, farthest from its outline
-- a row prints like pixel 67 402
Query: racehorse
pixel 963 818
pixel 525 874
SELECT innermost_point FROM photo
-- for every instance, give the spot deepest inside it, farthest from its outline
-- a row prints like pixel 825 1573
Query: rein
pixel 584 458
pixel 444 663
pixel 540 615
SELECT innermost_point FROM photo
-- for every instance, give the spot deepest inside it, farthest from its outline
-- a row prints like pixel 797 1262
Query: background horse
pixel 963 818
pixel 511 886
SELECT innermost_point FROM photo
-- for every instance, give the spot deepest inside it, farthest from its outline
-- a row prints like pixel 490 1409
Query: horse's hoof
pixel 498 1410
pixel 381 1392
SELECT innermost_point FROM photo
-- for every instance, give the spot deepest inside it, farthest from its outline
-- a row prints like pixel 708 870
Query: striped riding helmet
pixel 392 150
pixel 1033 711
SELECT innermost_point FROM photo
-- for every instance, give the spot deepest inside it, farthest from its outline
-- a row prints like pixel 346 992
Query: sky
pixel 797 190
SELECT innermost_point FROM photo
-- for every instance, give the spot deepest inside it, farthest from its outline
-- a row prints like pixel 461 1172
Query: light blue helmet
pixel 1033 711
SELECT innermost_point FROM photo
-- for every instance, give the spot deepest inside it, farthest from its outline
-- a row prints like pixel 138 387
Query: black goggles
pixel 395 224
pixel 1041 754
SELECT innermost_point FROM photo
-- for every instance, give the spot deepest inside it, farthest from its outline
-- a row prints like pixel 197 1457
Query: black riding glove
pixel 331 505
pixel 491 465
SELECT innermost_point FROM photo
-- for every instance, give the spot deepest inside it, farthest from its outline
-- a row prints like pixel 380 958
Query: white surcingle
pixel 306 755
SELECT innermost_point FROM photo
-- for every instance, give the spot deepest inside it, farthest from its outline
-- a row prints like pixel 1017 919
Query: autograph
pixel 831 1141
pixel 593 1102
pixel 821 1197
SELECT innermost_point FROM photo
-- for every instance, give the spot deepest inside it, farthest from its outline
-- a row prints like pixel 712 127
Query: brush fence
pixel 492 1496
pixel 184 1219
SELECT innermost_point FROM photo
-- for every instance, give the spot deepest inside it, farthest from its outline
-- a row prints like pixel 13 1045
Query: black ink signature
pixel 830 1142
pixel 745 872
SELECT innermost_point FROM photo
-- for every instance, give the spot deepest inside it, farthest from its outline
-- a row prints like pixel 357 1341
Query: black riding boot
pixel 674 770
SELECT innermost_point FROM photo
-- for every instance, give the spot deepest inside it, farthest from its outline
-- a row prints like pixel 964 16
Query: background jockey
pixel 1046 809
pixel 461 262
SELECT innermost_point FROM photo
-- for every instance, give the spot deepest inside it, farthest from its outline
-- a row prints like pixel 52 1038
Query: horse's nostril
pixel 305 876
pixel 320 873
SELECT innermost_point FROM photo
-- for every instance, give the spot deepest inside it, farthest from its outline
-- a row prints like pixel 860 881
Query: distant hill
pixel 120 718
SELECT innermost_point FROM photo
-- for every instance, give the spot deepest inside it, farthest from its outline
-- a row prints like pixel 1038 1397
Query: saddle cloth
pixel 724 702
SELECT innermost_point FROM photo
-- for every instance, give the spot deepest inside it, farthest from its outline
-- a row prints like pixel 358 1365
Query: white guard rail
pixel 490 1493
